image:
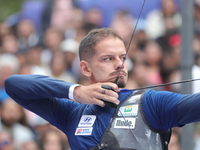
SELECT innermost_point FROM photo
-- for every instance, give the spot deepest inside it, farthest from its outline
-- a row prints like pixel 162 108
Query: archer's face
pixel 106 64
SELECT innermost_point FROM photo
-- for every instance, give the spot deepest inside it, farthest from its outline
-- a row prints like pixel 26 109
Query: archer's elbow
pixel 11 84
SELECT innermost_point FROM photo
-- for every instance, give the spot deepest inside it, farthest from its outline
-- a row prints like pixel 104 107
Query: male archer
pixel 142 119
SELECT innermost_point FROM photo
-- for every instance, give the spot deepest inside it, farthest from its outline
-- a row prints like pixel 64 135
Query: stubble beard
pixel 120 82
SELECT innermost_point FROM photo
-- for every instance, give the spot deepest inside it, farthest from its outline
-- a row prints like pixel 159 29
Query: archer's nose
pixel 119 64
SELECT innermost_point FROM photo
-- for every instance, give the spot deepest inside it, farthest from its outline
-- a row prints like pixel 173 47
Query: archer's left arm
pixel 164 110
pixel 188 109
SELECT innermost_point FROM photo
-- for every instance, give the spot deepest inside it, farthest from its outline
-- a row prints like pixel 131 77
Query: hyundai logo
pixel 88 119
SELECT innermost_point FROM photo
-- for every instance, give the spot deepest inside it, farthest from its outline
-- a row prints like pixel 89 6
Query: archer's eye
pixel 108 59
pixel 123 58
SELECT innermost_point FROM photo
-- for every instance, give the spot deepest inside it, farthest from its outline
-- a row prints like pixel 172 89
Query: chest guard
pixel 129 130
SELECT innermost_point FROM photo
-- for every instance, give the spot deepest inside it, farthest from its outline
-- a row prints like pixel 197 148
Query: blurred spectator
pixel 138 76
pixel 170 43
pixel 27 35
pixel 196 46
pixel 123 23
pixel 75 69
pixel 75 29
pixel 93 19
pixel 9 44
pixel 30 145
pixel 70 49
pixel 141 35
pixel 37 124
pixel 197 136
pixel 196 67
pixel 169 40
pixel 6 141
pixel 57 14
pixel 174 76
pixel 195 75
pixel 174 143
pixel 59 68
pixel 133 50
pixel 8 66
pixel 27 9
pixel 53 139
pixel 197 15
pixel 33 57
pixel 14 122
pixel 153 56
pixel 52 39
pixel 4 30
pixel 94 16
pixel 160 21
pixel 25 69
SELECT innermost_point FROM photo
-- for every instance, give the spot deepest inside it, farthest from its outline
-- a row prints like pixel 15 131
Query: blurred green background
pixel 9 7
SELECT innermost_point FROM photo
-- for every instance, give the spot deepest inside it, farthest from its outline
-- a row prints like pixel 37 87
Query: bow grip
pixel 110 104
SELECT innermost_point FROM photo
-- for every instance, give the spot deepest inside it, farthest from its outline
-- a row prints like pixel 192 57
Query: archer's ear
pixel 85 68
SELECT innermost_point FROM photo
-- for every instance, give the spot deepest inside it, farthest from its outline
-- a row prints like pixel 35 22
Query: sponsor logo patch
pixel 84 131
pixel 87 121
pixel 130 110
pixel 125 123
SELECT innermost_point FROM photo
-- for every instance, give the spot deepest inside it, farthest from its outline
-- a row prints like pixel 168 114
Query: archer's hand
pixel 94 94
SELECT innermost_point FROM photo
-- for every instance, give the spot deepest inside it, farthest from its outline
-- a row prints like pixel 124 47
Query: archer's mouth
pixel 116 77
pixel 119 74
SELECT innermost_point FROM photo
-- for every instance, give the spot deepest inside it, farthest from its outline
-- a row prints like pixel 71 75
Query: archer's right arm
pixel 29 87
pixel 39 94
pixel 32 87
